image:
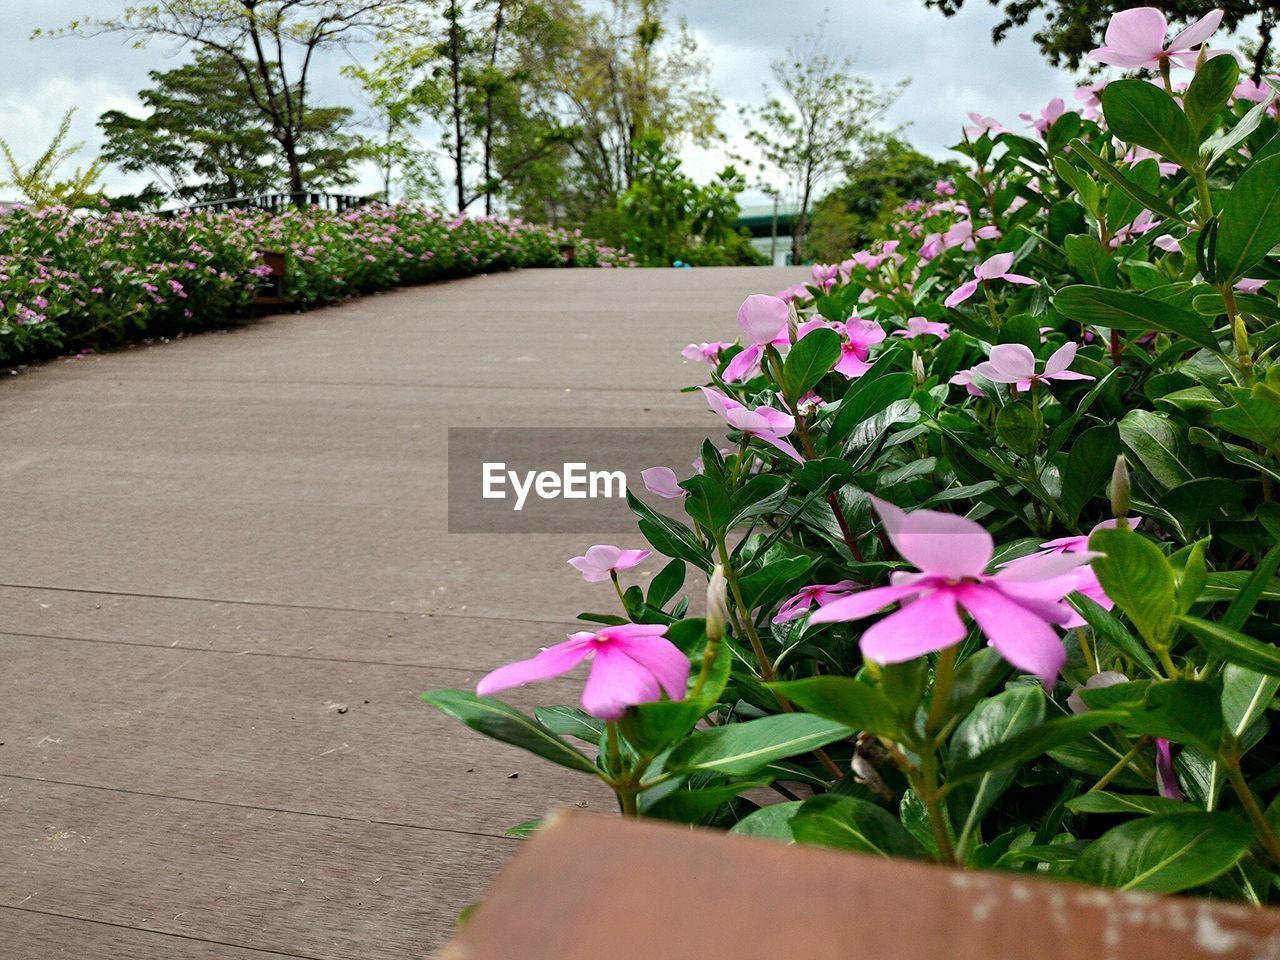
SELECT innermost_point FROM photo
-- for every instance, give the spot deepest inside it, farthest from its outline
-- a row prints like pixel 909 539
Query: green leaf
pixel 773 822
pixel 1159 445
pixel 774 581
pixel 651 727
pixel 1249 223
pixel 496 719
pixel 1090 260
pixel 1100 801
pixel 1254 416
pixel 740 749
pixel 666 584
pixel 1138 577
pixel 1116 178
pixel 1219 146
pixel 852 824
pixel 809 360
pixel 522 830
pixel 1234 646
pixel 1020 427
pixel 1106 627
pixel 991 722
pixel 864 401
pixel 1089 464
pixel 1210 91
pixel 1124 310
pixel 1184 711
pixel 1032 743
pixel 669 537
pixel 691 805
pixel 1142 114
pixel 844 700
pixel 1165 854
pixel 1257 585
pixel 570 722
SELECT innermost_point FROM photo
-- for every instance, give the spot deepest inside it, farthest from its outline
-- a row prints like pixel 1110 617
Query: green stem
pixel 1251 808
pixel 1121 764
pixel 617 588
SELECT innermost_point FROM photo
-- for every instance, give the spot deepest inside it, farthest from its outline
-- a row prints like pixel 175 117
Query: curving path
pixel 225 579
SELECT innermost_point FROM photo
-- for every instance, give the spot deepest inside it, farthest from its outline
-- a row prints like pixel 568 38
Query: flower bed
pixel 70 281
pixel 990 557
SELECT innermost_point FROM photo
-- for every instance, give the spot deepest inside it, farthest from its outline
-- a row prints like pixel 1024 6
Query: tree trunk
pixel 455 77
pixel 488 111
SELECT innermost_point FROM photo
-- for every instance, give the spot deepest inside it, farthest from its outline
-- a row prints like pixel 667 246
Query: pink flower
pixel 603 561
pixel 1167 243
pixel 810 597
pixel 983 125
pixel 1166 777
pixel 824 276
pixel 663 482
pixel 766 423
pixel 1090 99
pixel 966 237
pixel 764 320
pixel 1135 39
pixel 1048 115
pixel 1086 580
pixel 631 663
pixel 1144 222
pixel 964 378
pixel 1248 90
pixel 860 337
pixel 1015 363
pixel 1108 678
pixel 1250 286
pixel 708 352
pixel 921 326
pixel 993 268
pixel 944 188
pixel 1016 609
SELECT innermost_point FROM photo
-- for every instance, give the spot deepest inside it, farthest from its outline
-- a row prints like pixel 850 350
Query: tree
pixel 273 44
pixel 819 122
pixel 875 185
pixel 666 216
pixel 624 77
pixel 38 184
pixel 203 138
pixel 1074 27
pixel 468 67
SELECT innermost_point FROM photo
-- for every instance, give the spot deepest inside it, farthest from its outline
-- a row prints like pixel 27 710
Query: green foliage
pixel 37 183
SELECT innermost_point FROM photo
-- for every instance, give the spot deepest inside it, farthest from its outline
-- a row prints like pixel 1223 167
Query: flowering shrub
pixel 992 557
pixel 70 281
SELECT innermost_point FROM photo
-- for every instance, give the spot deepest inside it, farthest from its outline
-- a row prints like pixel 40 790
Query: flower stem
pixel 1141 744
pixel 1266 835
pixel 617 588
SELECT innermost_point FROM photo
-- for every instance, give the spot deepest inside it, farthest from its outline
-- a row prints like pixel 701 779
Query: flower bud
pixel 917 368
pixel 717 604
pixel 1120 492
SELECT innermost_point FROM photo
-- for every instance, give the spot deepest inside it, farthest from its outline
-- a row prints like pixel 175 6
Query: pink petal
pixel 1198 32
pixel 862 604
pixel 928 623
pixel 850 366
pixel 1042 566
pixel 663 482
pixel 994 267
pixel 744 365
pixel 763 317
pixel 775 421
pixel 631 558
pixel 1166 776
pixel 1128 61
pixel 1061 359
pixel 721 405
pixel 940 543
pixel 1022 638
pixel 617 682
pixel 962 294
pixel 1138 32
pixel 551 662
pixel 1019 278
pixel 1068 375
pixel 782 445
pixel 663 659
pixel 1008 363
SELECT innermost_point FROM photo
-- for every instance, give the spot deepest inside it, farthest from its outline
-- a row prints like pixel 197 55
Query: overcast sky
pixel 951 63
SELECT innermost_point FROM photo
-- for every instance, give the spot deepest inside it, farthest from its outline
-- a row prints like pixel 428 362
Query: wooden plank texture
pixel 589 887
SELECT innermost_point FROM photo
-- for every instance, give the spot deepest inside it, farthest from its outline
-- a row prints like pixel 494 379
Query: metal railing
pixel 280 202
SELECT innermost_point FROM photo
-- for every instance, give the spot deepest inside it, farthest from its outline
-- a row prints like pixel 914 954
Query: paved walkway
pixel 225 579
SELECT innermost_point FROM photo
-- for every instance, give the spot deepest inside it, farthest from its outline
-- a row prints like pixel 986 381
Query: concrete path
pixel 225 579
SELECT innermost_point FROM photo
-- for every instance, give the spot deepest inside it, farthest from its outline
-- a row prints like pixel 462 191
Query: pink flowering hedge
pixel 987 527
pixel 71 281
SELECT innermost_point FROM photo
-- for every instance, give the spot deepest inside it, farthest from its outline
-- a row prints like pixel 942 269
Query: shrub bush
pixel 991 557
pixel 70 281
